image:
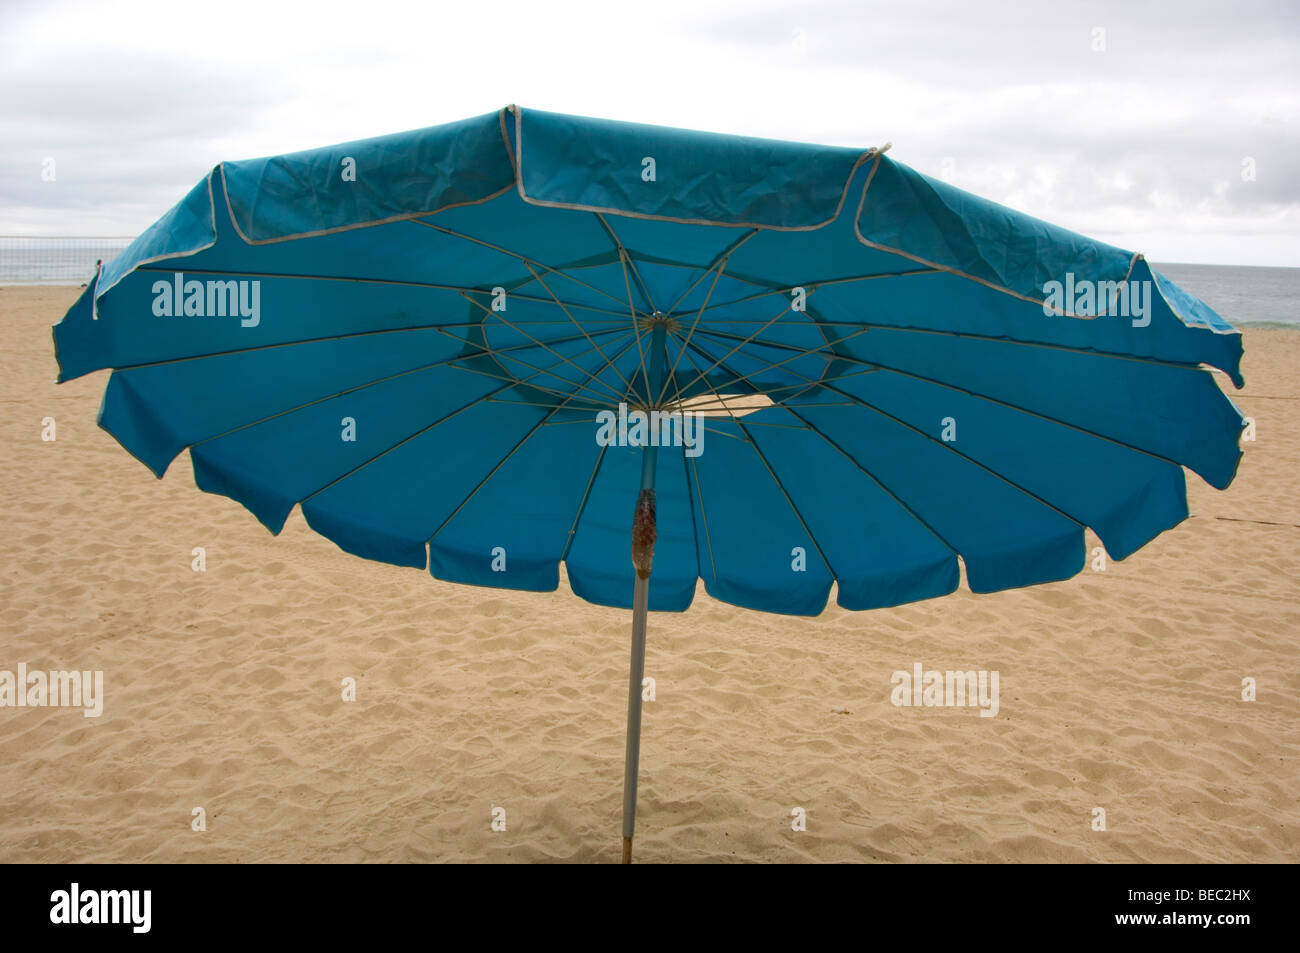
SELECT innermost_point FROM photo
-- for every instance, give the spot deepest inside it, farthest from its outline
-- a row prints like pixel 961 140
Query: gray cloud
pixel 1144 138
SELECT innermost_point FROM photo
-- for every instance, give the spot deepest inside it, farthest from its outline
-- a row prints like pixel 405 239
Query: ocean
pixel 54 261
pixel 1246 296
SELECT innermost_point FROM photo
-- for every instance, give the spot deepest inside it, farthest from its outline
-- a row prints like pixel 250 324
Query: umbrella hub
pixel 657 319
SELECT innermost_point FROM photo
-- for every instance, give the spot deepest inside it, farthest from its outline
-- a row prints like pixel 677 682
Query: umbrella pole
pixel 643 551
pixel 636 672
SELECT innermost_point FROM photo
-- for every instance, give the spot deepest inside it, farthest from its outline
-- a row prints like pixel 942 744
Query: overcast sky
pixel 1139 123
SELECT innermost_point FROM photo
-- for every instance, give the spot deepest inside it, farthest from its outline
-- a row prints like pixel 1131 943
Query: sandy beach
pixel 1120 689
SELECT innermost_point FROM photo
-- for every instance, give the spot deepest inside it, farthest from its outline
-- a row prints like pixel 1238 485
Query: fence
pixel 62 260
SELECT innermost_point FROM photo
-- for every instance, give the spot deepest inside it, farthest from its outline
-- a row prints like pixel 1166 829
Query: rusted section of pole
pixel 644 533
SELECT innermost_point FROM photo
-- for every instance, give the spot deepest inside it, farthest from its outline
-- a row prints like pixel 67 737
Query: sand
pixel 1118 689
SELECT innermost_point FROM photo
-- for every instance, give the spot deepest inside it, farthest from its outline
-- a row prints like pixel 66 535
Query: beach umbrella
pixel 491 347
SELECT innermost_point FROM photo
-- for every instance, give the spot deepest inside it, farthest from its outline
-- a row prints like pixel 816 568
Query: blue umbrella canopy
pixel 440 344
